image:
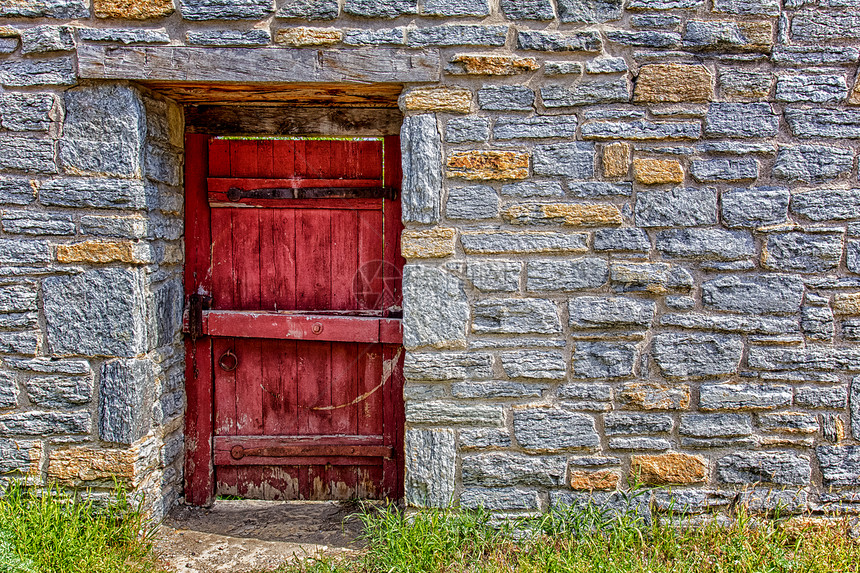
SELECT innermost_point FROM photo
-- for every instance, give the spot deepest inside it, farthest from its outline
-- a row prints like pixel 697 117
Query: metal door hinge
pixel 197 303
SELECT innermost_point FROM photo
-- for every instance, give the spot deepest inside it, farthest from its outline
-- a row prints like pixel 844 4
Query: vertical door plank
pixel 225 389
pixel 283 159
pixel 223 284
pixel 219 157
pixel 246 258
pixel 369 376
pixel 249 387
pixel 265 158
pixel 344 387
pixel 283 262
pixel 280 396
pixel 370 253
pixel 313 259
pixel 243 157
pixel 344 258
pixel 314 386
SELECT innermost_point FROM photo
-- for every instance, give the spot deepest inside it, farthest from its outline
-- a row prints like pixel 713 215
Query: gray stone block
pixel 629 240
pixel 494 276
pixel 26 153
pixel 528 9
pixel 562 68
pixel 595 189
pixel 719 170
pixel 309 9
pixel 515 316
pixel 531 189
pixel 44 424
pixel 15 456
pixel 744 396
pixel 554 429
pixel 697 355
pixel 500 499
pixel 435 308
pixel 100 312
pixel 359 37
pixel 814 55
pixel 840 465
pixel 455 7
pixel 28 111
pixel 17 298
pixel 59 392
pixel 789 422
pixel 26 342
pixel 380 8
pixel 566 275
pixel 125 400
pixel 664 4
pixel 644 38
pixel 48 38
pixel 606 65
pixel 817 323
pixel 815 25
pixel 574 160
pixel 744 324
pixel 421 148
pixel 682 206
pixel 535 127
pixel 226 9
pixel 658 21
pixel 448 366
pixel 93 192
pixel 803 252
pixel 754 294
pixel 492 242
pixel 827 204
pixel 604 360
pixel 642 130
pixel 506 98
pixel 507 469
pixel 616 90
pixel 779 468
pixel 755 207
pixel 496 389
pixel 715 425
pixel 817 88
pixel 585 41
pixel 852 258
pixel 741 120
pixel 431 467
pixel 812 163
pixel 444 413
pixel 589 391
pixel 745 7
pixel 228 37
pixel 705 244
pixel 625 423
pixel 837 124
pixel 35 223
pixel 16 191
pixel 830 397
pixel 23 73
pixel 534 364
pixel 818 357
pixel 589 12
pixel 474 202
pixel 18 251
pixel 717 35
pixel 65 9
pixel 745 83
pixel 104 131
pixel 649 277
pixel 8 391
pixel 691 501
pixel 610 312
pixel 456 35
pixel 638 444
pixel 474 438
pixel 463 129
pixel 125 35
pixel 854 406
pixel 8 45
pixel 50 365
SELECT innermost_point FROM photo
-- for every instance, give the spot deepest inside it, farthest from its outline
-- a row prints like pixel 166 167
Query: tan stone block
pixel 81 464
pixel 669 468
pixel 673 83
pixel 854 98
pixel 570 214
pixel 301 37
pixel 847 303
pixel 458 100
pixel 491 65
pixel 488 165
pixel 657 171
pixel 133 9
pixel 602 479
pixel 758 33
pixel 432 243
pixel 97 252
pixel 616 160
pixel 655 396
pixel 9 32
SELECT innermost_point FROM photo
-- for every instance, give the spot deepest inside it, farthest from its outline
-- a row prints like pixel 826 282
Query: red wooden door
pixel 294 354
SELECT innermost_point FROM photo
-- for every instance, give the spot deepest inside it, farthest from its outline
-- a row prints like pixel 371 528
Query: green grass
pixel 50 531
pixel 593 540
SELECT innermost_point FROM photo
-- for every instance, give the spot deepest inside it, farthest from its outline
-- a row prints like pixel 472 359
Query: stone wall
pixel 633 234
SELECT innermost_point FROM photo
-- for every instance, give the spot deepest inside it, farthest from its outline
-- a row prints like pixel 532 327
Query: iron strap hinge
pixel 237 194
pixel 197 303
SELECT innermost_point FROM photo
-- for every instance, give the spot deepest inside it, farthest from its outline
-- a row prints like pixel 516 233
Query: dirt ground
pixel 246 535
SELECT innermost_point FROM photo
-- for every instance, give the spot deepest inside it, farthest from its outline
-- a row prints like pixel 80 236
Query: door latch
pixel 197 303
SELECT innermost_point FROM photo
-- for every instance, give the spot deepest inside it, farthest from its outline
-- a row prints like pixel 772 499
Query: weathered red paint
pixel 303 335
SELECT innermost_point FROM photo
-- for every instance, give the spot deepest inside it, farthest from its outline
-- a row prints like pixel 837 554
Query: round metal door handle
pixel 228 361
pixel 317 327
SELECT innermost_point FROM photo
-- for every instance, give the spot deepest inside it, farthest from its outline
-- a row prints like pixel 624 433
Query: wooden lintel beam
pixel 290 120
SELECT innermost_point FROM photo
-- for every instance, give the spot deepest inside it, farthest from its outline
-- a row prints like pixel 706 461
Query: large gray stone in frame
pixel 431 466
pixel 125 400
pixel 516 316
pixel 589 11
pixel 781 468
pixel 421 149
pixel 99 312
pixel 680 207
pixel 840 465
pixel 66 9
pixel 435 310
pixel 554 429
pixel 697 355
pixel 754 294
pixel 574 160
pixel 812 163
pixel 104 131
pixel 512 468
pixel 755 206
